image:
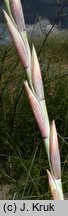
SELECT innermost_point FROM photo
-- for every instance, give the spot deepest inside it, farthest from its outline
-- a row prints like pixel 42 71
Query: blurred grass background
pixel 23 160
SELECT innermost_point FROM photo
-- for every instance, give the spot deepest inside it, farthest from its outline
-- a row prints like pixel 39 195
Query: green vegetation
pixel 23 159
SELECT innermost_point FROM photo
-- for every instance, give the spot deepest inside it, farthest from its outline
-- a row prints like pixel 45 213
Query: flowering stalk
pixel 35 92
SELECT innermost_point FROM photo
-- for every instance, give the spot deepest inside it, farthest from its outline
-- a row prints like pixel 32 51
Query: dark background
pixel 45 8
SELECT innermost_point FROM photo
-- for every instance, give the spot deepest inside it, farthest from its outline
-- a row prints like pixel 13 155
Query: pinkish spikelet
pixel 36 76
pixel 37 111
pixel 17 12
pixel 55 194
pixel 18 41
pixel 54 152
